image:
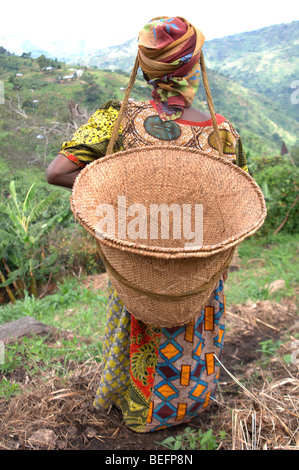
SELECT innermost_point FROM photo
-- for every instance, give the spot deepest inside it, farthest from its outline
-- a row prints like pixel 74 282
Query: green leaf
pixel 42 206
pixel 8 236
pixel 31 240
pixel 12 190
pixel 19 228
pixel 13 276
pixel 177 445
pixel 168 442
pixel 287 358
pixel 28 198
pixel 266 191
pixel 4 209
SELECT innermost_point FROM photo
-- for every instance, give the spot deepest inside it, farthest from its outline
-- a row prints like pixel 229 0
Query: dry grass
pixel 267 417
pixel 50 402
pixel 257 404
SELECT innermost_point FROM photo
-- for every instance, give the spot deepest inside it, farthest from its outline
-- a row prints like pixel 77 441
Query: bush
pixel 76 248
pixel 278 179
pixel 24 226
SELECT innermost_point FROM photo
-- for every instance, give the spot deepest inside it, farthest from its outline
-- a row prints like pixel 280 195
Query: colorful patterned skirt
pixel 160 377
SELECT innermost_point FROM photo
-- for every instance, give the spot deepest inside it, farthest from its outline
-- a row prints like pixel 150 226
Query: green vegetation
pixel 193 439
pixel 8 389
pixel 42 108
pixel 264 260
pixel 262 61
pixel 259 121
pixel 26 226
pixel 41 244
pixel 279 179
pixel 73 308
pixel 40 111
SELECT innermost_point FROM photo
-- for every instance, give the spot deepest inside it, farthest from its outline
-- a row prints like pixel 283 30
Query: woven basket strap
pixel 163 296
pixel 210 103
pixel 122 108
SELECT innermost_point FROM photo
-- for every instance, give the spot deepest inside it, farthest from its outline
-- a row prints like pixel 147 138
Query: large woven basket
pixel 166 281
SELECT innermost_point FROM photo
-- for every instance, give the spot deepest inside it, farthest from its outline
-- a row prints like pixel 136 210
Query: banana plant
pixel 24 227
pixel 266 191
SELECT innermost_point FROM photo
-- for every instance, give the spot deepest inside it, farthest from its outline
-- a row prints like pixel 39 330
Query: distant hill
pixel 259 120
pixel 120 57
pixel 250 76
pixel 67 50
pixel 265 61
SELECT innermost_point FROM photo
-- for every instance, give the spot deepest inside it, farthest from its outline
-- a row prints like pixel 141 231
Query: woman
pixel 158 377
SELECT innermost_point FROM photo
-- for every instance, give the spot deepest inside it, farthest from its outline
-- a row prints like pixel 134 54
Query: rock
pixel 90 432
pixel 72 430
pixel 24 326
pixel 45 438
pixel 61 445
pixel 276 285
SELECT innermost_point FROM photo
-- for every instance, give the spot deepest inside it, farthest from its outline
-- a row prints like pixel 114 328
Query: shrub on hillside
pixel 278 178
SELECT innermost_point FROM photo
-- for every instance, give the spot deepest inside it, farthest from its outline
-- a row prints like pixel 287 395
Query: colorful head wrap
pixel 169 50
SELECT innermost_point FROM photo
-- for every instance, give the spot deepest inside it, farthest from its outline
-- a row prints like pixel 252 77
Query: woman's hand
pixel 225 275
pixel 62 172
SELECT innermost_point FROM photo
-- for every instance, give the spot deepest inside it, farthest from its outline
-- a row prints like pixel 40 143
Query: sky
pixel 103 23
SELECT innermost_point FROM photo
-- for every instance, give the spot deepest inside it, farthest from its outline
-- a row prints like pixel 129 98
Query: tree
pixel 4 51
pixel 42 61
pixel 279 183
pixel 26 55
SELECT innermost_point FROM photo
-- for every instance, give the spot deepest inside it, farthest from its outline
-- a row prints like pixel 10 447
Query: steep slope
pixel 256 73
pixel 265 61
pixel 250 77
pixel 259 120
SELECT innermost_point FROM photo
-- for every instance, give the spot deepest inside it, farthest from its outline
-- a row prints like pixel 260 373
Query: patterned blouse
pixel 142 126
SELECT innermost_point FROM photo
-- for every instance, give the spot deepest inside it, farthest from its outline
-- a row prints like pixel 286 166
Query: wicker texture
pixel 162 282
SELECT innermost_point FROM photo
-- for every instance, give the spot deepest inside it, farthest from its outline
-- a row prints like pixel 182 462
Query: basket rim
pixel 166 252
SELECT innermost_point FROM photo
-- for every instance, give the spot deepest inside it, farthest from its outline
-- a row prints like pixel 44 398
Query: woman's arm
pixel 62 172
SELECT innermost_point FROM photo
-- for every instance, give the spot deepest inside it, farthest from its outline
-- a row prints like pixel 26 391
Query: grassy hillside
pixel 260 122
pixel 47 383
pixel 252 75
pixel 40 109
pixel 265 61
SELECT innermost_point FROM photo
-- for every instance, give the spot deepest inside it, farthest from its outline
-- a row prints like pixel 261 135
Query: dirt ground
pixel 256 404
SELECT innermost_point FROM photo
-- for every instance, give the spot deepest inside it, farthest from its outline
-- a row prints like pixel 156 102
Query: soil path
pixel 53 413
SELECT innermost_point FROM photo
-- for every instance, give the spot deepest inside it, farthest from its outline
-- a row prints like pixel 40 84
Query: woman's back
pixel 142 126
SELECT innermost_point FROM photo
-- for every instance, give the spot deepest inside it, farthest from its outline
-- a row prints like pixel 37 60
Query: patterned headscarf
pixel 169 50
